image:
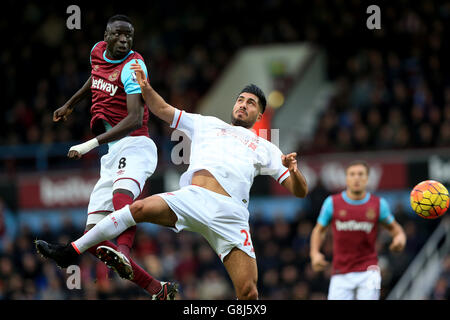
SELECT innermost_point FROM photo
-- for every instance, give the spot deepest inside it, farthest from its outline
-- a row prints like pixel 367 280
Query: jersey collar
pixel 116 61
pixel 355 202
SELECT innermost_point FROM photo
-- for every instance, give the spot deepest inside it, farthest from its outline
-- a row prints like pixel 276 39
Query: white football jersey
pixel 234 155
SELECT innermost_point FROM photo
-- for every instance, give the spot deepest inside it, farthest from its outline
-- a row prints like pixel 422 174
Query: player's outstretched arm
pixel 318 261
pixel 67 108
pixel 398 236
pixel 158 106
pixel 296 182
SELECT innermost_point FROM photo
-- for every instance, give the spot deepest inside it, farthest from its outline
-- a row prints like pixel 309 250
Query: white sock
pixel 108 228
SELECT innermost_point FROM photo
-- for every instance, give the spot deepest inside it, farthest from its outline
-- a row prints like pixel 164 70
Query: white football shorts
pixel 363 285
pixel 127 165
pixel 218 218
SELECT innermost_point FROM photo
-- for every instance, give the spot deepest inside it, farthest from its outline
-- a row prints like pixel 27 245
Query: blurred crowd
pixel 392 87
pixel 282 249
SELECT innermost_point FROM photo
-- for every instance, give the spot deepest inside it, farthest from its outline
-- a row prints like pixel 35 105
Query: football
pixel 429 199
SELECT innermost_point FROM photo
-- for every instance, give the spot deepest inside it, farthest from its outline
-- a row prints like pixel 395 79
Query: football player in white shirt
pixel 214 193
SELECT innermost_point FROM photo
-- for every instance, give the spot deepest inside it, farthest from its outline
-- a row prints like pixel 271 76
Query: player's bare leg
pixel 243 273
pixel 154 210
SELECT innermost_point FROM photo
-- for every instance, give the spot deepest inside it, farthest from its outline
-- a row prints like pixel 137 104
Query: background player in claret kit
pixel 354 215
pixel 214 190
pixel 119 118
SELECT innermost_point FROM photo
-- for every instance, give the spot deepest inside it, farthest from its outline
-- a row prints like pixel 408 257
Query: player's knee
pixel 137 208
pixel 248 291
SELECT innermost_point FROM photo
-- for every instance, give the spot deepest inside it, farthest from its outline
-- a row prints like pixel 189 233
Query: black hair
pixel 254 89
pixel 119 17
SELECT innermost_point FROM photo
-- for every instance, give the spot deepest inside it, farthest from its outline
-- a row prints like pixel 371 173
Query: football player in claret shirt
pixel 354 216
pixel 119 118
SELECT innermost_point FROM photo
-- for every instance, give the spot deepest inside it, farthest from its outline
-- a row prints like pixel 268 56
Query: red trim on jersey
pixel 178 121
pixel 107 211
pixel 75 247
pixel 139 185
pixel 278 180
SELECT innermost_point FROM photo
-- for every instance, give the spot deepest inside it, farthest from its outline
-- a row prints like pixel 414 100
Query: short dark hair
pixel 254 89
pixel 119 17
pixel 358 162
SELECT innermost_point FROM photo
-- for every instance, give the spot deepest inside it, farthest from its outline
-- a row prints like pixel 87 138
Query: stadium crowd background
pixel 393 92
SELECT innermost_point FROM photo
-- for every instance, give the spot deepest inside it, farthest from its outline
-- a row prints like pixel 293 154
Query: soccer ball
pixel 429 199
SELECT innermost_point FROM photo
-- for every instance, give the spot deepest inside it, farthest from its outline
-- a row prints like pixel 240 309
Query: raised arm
pixel 67 108
pixel 157 105
pixel 296 182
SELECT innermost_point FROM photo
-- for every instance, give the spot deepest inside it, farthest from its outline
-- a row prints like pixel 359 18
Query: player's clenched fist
pixel 398 243
pixel 73 154
pixel 62 112
pixel 141 79
pixel 140 75
pixel 289 161
pixel 318 262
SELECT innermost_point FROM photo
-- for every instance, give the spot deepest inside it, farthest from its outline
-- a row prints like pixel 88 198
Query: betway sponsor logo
pixel 105 86
pixel 353 225
pixel 71 191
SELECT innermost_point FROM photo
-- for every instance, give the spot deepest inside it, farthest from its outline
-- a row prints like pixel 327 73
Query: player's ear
pixel 107 33
pixel 259 117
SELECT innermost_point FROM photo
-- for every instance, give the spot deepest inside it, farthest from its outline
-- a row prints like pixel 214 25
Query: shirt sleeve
pixel 386 215
pixel 128 77
pixel 275 166
pixel 326 212
pixel 185 121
